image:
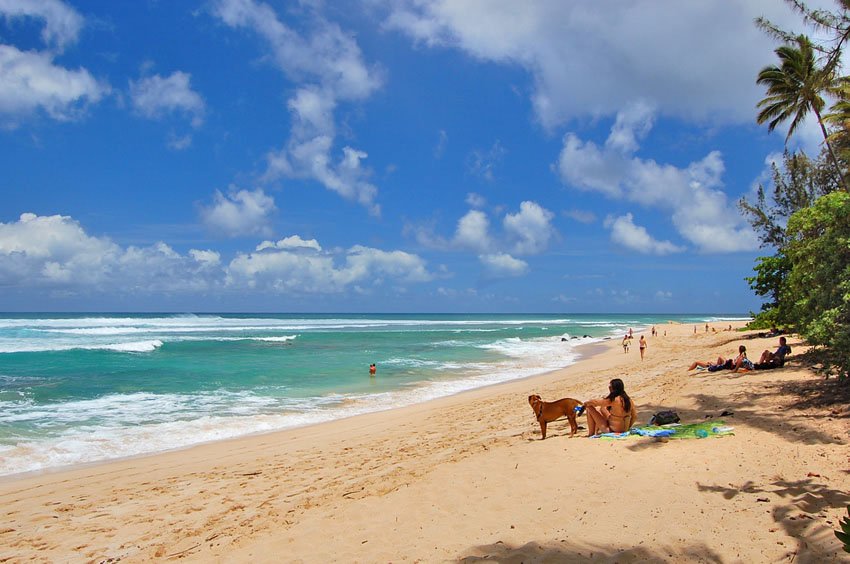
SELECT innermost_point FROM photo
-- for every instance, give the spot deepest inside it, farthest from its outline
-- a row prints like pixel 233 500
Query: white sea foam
pixel 122 425
pixel 19 346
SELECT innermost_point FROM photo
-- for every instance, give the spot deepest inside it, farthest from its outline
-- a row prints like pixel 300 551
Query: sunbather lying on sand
pixel 739 364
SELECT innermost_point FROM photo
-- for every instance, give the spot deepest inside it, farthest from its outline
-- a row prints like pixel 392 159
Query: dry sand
pixel 466 478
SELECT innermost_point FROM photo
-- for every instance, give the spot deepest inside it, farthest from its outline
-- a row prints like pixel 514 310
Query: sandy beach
pixel 467 478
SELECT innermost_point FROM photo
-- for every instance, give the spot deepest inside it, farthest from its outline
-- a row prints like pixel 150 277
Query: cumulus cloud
pixel 473 232
pixel 291 243
pixel 30 81
pixel 282 269
pixel 62 24
pixel 625 64
pixel 56 252
pixel 693 196
pixel 239 212
pixel 502 264
pixel 156 96
pixel 328 66
pixel 526 232
pixel 625 233
pixel 530 229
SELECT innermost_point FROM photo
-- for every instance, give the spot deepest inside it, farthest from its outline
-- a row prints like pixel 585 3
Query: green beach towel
pixel 702 430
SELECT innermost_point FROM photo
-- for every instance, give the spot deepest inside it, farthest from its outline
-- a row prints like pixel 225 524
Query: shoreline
pixel 593 347
pixel 466 477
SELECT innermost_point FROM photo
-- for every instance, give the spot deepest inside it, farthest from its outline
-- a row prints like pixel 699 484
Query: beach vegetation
pixel 805 218
pixel 844 534
pixel 796 88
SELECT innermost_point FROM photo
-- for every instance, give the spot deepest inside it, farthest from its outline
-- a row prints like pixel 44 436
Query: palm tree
pixel 794 89
pixel 839 117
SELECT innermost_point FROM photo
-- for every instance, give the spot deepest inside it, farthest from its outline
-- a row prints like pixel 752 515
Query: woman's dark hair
pixel 619 389
pixel 742 349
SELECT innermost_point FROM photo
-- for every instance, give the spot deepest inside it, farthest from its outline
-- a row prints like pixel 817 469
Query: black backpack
pixel 664 417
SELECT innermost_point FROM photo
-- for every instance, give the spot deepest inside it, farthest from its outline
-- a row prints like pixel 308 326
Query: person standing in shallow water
pixel 642 344
pixel 372 369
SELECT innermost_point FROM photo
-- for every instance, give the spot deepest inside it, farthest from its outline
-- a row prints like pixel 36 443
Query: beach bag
pixel 664 417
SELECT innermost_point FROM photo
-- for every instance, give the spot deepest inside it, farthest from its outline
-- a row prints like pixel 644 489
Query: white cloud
pixel 502 264
pixel 472 232
pixel 474 200
pixel 30 81
pixel 291 243
pixel 62 24
pixel 56 252
pixel 282 270
pixel 328 66
pixel 631 236
pixel 663 296
pixel 206 258
pixel 582 216
pixel 633 56
pixel 155 96
pixel 239 212
pixel 633 123
pixel 526 232
pixel 530 229
pixel 692 196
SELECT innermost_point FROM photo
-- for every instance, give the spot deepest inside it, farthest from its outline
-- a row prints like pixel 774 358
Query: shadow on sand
pixel 570 552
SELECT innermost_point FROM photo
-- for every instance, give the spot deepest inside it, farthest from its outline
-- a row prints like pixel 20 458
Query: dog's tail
pixel 579 410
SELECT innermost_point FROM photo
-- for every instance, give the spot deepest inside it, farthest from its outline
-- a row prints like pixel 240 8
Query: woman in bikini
pixel 614 413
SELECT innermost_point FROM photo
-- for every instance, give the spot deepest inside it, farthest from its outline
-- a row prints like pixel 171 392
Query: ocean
pixel 80 388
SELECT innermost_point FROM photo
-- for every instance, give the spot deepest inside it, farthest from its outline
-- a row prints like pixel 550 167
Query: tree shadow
pixel 808 495
pixel 565 551
pixel 825 393
pixel 800 516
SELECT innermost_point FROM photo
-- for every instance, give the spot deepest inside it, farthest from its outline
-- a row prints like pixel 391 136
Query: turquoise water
pixel 82 388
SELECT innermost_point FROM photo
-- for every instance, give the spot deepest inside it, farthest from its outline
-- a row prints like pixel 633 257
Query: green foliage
pixel 796 185
pixel 818 284
pixel 806 218
pixel 844 534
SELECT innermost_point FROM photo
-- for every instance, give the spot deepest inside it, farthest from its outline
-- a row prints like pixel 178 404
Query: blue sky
pixel 377 156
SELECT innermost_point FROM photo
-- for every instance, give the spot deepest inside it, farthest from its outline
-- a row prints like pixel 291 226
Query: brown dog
pixel 548 411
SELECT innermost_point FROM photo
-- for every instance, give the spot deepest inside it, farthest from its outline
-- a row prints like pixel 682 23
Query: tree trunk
pixel 831 153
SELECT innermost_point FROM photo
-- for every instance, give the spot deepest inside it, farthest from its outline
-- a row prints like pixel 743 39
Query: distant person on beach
pixel 630 332
pixel 615 413
pixel 706 327
pixel 625 343
pixel 654 332
pixel 372 369
pixel 642 345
